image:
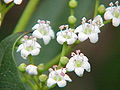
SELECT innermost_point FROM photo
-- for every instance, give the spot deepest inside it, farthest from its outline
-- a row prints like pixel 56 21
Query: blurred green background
pixel 104 56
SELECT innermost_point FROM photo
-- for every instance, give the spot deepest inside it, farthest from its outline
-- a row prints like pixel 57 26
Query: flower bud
pixel 72 19
pixel 43 78
pixel 40 68
pixel 22 67
pixel 73 3
pixel 64 60
pixel 101 9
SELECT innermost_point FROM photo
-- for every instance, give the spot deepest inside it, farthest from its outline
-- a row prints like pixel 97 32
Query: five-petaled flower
pixel 31 70
pixel 88 30
pixel 113 12
pixel 29 47
pixel 43 30
pixel 15 1
pixel 66 35
pixel 58 77
pixel 78 62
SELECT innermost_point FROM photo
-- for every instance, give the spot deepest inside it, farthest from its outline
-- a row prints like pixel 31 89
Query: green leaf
pixel 9 78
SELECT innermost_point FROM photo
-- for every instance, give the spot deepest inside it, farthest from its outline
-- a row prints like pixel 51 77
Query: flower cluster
pixel 113 12
pixel 78 63
pixel 86 30
pixel 29 45
pixel 15 1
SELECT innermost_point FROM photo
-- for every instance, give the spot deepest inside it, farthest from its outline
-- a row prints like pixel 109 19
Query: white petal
pixel 79 29
pixel 116 22
pixel 37 34
pixel 20 47
pixel 85 58
pixel 35 51
pixel 17 1
pixel 36 26
pixel 46 39
pixel 62 83
pixel 66 77
pixel 51 33
pixel 82 37
pixel 8 1
pixel 93 37
pixel 70 66
pixel 60 39
pixel 86 66
pixel 36 44
pixel 108 15
pixel 79 71
pixel 71 41
pixel 24 53
pixel 50 82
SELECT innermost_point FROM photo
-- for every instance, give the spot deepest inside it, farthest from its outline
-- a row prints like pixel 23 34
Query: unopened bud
pixel 72 19
pixel 22 67
pixel 73 3
pixel 64 60
pixel 101 9
pixel 43 78
pixel 41 68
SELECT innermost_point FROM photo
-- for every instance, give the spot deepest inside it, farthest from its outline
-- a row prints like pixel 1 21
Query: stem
pixel 106 22
pixel 57 58
pixel 96 8
pixel 30 59
pixel 26 15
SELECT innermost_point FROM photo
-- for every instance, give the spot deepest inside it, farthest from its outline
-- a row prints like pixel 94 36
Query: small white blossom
pixel 15 1
pixel 66 35
pixel 98 21
pixel 113 12
pixel 43 30
pixel 77 63
pixel 29 47
pixel 31 70
pixel 88 30
pixel 58 77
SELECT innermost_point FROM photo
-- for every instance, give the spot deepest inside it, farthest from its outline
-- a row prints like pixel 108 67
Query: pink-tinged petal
pixel 108 15
pixel 93 37
pixel 79 71
pixel 50 82
pixel 62 83
pixel 116 22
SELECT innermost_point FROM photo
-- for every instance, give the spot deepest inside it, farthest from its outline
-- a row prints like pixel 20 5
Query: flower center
pixel 57 78
pixel 67 36
pixel 87 30
pixel 116 13
pixel 78 63
pixel 30 48
pixel 43 32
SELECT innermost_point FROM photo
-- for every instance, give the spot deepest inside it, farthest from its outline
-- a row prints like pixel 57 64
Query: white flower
pixel 87 30
pixel 32 70
pixel 29 47
pixel 113 12
pixel 98 21
pixel 58 77
pixel 77 63
pixel 66 35
pixel 43 30
pixel 15 1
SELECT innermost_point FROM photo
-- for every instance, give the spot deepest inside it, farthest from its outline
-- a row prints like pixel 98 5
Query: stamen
pixel 43 22
pixel 50 70
pixel 48 22
pixel 83 20
pixel 78 52
pixel 62 74
pixel 111 4
pixel 25 37
pixel 54 67
pixel 117 3
pixel 73 54
pixel 62 27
